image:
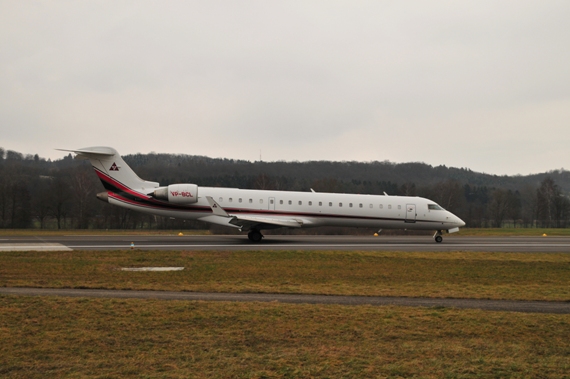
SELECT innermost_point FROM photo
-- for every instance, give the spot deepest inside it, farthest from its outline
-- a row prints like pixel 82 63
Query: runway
pixel 289 242
pixel 554 307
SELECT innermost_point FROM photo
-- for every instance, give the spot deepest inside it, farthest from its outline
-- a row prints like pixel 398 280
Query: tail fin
pixel 115 174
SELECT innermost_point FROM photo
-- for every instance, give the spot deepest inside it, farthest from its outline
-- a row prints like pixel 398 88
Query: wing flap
pixel 249 220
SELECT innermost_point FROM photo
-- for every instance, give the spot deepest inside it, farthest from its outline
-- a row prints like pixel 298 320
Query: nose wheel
pixel 254 235
pixel 437 236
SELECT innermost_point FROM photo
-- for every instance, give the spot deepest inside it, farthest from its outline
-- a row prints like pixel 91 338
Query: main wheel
pixel 255 236
pixel 438 239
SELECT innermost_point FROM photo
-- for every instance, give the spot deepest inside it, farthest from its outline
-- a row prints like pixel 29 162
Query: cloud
pixel 438 82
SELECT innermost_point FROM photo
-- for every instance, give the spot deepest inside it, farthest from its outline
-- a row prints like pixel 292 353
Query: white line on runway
pixel 327 245
pixel 34 247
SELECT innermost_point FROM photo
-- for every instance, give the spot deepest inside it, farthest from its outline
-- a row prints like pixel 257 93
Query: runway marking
pixel 152 269
pixel 246 246
pixel 34 247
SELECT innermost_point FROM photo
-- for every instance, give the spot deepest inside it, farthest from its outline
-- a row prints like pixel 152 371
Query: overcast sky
pixel 477 84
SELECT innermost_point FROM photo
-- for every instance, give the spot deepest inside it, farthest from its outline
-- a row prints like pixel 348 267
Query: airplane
pixel 255 210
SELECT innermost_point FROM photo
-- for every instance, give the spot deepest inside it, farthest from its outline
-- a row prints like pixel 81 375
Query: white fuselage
pixel 312 209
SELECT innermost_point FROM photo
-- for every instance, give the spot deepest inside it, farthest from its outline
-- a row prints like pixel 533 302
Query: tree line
pixel 60 194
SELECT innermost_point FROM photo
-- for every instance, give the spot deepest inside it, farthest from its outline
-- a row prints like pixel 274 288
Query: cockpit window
pixel 434 207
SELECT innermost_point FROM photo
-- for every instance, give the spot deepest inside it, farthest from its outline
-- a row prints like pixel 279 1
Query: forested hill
pixel 168 168
pixel 34 192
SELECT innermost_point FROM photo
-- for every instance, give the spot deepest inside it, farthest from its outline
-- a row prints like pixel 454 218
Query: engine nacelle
pixel 178 193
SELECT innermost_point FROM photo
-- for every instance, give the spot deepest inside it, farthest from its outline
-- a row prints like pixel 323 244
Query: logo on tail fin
pixel 114 167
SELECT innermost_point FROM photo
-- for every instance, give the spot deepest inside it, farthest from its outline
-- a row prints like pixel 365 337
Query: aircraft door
pixel 271 204
pixel 411 213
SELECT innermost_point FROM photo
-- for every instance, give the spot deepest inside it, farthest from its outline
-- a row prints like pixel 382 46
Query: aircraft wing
pixel 249 221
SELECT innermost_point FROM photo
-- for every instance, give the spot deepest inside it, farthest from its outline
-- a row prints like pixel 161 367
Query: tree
pixel 83 195
pixel 41 199
pixel 552 206
pixel 60 198
pixel 498 207
pixel 449 194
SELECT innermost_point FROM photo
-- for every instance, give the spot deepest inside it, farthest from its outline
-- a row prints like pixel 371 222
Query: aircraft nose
pixel 459 222
pixel 456 221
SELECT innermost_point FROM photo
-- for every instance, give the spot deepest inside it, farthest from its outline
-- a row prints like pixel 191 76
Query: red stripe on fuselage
pixel 157 205
pixel 120 186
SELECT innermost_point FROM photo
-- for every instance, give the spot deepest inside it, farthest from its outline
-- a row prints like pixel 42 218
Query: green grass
pixel 520 276
pixel 97 338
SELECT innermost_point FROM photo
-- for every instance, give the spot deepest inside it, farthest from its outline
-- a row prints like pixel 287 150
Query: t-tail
pixel 116 175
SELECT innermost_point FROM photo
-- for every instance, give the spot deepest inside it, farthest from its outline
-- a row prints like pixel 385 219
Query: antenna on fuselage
pixel 385 194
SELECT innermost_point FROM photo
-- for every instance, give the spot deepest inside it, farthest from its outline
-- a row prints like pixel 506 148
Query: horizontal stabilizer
pixel 103 151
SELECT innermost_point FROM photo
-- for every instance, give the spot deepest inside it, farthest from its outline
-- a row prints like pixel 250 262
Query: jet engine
pixel 178 193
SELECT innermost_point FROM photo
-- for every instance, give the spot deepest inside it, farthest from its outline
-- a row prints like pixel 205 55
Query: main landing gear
pixel 254 235
pixel 437 236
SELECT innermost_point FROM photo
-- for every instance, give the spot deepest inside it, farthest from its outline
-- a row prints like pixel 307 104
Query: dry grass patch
pixel 513 232
pixel 527 276
pixel 55 337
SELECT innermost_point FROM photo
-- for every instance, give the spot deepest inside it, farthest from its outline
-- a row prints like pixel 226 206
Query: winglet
pixel 216 208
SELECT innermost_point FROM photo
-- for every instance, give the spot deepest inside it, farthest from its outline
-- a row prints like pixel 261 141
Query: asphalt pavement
pixel 287 242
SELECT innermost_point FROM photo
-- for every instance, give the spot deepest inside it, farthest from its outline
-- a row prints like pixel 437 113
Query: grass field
pixel 517 276
pixel 58 337
pixel 513 232
pixel 109 338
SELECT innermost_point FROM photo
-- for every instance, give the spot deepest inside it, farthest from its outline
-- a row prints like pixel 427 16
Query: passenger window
pixel 360 205
pixel 320 203
pixel 280 201
pixel 370 206
pixel 271 201
pixel 310 203
pixel 250 201
pixel 350 205
pixel 300 203
pixel 230 199
pixel 290 202
pixel 381 206
pixel 260 201
pixel 239 200
pixel 221 199
pixel 399 207
pixel 340 204
pixel 389 206
pixel 330 204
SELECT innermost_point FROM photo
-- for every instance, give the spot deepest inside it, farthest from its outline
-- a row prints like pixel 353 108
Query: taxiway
pixel 288 242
